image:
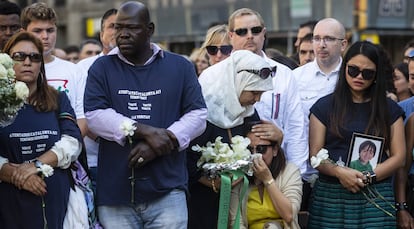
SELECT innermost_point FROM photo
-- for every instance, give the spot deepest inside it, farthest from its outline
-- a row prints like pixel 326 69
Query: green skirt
pixel 333 206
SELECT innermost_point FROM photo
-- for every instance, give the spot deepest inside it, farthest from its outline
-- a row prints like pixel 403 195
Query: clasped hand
pixel 25 177
pixel 351 179
pixel 154 142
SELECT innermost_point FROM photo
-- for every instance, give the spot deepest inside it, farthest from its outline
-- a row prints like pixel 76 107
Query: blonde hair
pixel 216 34
pixel 198 53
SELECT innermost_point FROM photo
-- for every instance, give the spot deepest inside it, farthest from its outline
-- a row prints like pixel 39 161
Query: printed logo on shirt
pixel 140 95
pixel 143 96
pixel 59 84
pixel 33 136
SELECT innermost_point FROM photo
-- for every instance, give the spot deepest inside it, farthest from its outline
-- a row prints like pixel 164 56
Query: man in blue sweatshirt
pixel 142 183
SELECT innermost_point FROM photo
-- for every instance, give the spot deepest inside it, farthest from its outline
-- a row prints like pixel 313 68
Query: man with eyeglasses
pixel 318 78
pixel 9 21
pixel 282 104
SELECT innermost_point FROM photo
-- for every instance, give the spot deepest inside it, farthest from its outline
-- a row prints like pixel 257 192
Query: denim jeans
pixel 169 211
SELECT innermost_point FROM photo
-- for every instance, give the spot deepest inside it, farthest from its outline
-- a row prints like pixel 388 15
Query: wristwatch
pixel 38 164
pixel 373 177
pixel 401 206
pixel 370 177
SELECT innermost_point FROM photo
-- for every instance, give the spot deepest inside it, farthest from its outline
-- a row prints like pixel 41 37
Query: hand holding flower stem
pixel 128 129
pixel 44 170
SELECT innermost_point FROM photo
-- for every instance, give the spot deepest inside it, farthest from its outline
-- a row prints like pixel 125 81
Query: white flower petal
pixel 22 91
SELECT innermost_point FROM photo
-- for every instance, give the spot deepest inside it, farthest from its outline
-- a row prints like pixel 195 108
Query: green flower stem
pixel 132 177
pixel 44 214
pixel 132 185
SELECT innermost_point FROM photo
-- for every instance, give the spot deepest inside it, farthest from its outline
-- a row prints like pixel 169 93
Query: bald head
pixel 331 24
pixel 329 42
pixel 133 32
pixel 135 10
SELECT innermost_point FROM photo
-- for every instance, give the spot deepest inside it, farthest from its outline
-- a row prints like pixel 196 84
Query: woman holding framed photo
pixel 356 199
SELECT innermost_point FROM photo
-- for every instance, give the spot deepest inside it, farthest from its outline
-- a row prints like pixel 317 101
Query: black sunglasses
pixel 243 31
pixel 258 149
pixel 21 56
pixel 367 74
pixel 224 49
pixel 263 73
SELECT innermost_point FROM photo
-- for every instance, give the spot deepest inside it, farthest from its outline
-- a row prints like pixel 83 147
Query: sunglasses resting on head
pixel 264 73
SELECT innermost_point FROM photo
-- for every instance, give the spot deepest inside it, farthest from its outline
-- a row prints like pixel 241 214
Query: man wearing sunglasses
pixel 318 78
pixel 282 105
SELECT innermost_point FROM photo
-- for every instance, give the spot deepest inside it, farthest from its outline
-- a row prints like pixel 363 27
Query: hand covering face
pixel 222 85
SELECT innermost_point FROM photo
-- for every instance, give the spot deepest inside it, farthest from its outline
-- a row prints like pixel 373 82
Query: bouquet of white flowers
pixel 13 93
pixel 218 156
pixel 230 163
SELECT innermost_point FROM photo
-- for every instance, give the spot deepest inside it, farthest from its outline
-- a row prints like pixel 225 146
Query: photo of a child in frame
pixel 365 152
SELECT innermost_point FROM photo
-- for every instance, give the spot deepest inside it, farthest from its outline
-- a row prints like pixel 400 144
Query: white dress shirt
pixel 283 107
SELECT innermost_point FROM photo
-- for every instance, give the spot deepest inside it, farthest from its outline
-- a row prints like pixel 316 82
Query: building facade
pixel 180 25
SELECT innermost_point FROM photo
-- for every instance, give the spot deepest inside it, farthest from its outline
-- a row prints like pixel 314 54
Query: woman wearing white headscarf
pixel 230 88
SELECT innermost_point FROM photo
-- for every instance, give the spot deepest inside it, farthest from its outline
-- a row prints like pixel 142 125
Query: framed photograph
pixel 365 152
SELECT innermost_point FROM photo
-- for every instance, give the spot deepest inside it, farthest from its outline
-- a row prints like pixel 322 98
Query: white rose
pixel 323 154
pixel 320 156
pixel 11 73
pixel 5 60
pixel 46 170
pixel 315 162
pixel 22 91
pixel 3 72
pixel 128 128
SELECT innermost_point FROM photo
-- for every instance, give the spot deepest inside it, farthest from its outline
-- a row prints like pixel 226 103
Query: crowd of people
pixel 128 112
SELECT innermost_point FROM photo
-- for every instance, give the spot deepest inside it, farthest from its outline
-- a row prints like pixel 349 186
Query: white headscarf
pixel 222 85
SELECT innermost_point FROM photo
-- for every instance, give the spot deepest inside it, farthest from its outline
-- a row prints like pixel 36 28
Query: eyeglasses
pixel 327 39
pixel 243 31
pixel 224 49
pixel 367 74
pixel 21 56
pixel 258 149
pixel 263 73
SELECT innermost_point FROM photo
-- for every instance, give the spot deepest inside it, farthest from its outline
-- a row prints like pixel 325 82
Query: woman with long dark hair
pixel 342 196
pixel 44 133
pixel 275 191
